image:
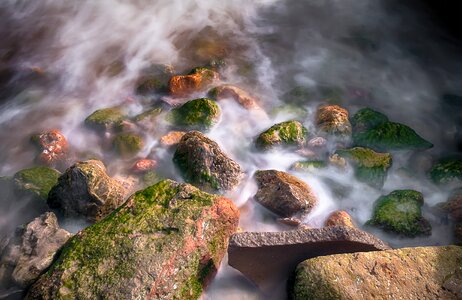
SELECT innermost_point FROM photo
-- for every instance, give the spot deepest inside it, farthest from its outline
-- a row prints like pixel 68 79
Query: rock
pixel 400 212
pixel 337 161
pixel 148 119
pixel 36 181
pixel 203 163
pixel 154 80
pixel 283 193
pixel 197 80
pixel 446 171
pixel 53 146
pixel 105 119
pixel 333 119
pixel 237 94
pixel 370 167
pixel 172 138
pixel 366 119
pixel 339 218
pixel 85 189
pixel 30 250
pixel 165 242
pixel 308 165
pixel 150 178
pixel 128 144
pixel 458 234
pixel 265 257
pixel 200 114
pixel 289 133
pixel 408 273
pixel 453 206
pixel 317 142
pixel 290 221
pixel 144 165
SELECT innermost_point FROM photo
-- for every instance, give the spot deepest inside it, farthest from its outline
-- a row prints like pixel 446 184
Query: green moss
pixel 128 144
pixel 308 165
pixel 446 171
pixel 37 180
pixel 367 118
pixel 106 118
pixel 400 212
pixel 289 133
pixel 201 114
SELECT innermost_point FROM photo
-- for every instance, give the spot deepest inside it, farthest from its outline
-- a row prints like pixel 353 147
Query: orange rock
pixel 144 165
pixel 198 80
pixel 53 146
pixel 172 138
pixel 238 94
pixel 333 119
pixel 339 218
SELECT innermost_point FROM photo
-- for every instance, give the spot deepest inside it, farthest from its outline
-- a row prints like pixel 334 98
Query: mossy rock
pixel 370 167
pixel 198 114
pixel 128 144
pixel 289 133
pixel 400 212
pixel 446 170
pixel 37 181
pixel 367 118
pixel 308 165
pixel 154 80
pixel 164 242
pixel 150 114
pixel 105 119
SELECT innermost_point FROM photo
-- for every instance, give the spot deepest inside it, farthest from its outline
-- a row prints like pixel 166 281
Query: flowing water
pixel 61 60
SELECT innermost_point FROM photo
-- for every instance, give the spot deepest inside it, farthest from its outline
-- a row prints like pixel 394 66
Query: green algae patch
pixel 289 133
pixel 162 243
pixel 36 180
pixel 128 144
pixel 400 212
pixel 308 165
pixel 446 170
pixel 367 118
pixel 370 167
pixel 199 114
pixel 106 118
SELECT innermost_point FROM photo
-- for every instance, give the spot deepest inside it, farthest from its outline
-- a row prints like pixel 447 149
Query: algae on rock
pixel 128 144
pixel 105 119
pixel 37 181
pixel 198 114
pixel 289 133
pixel 446 171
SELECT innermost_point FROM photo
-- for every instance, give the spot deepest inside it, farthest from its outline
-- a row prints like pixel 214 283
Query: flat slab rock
pixel 265 257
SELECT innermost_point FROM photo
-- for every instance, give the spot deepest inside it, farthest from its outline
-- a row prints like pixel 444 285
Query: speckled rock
pixel 198 114
pixel 36 181
pixel 333 119
pixel 53 147
pixel 85 189
pixel 408 273
pixel 144 165
pixel 172 138
pixel 197 80
pixel 165 242
pixel 339 218
pixel 283 193
pixel 203 164
pixel 237 94
pixel 289 133
pixel 447 171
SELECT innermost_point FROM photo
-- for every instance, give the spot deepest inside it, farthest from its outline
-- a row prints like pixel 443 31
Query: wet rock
pixel 203 163
pixel 453 206
pixel 339 218
pixel 150 178
pixel 308 165
pixel 337 161
pixel 144 165
pixel 458 234
pixel 148 119
pixel 283 193
pixel 317 142
pixel 289 133
pixel 172 138
pixel 367 118
pixel 30 251
pixel 53 146
pixel 237 94
pixel 370 167
pixel 36 181
pixel 199 114
pixel 447 171
pixel 105 119
pixel 409 273
pixel 154 80
pixel 290 221
pixel 333 119
pixel 85 189
pixel 197 80
pixel 266 257
pixel 165 242
pixel 128 144
pixel 400 212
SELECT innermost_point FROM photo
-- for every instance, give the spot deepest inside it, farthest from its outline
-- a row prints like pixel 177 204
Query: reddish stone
pixel 172 138
pixel 144 165
pixel 339 218
pixel 239 95
pixel 53 146
pixel 182 85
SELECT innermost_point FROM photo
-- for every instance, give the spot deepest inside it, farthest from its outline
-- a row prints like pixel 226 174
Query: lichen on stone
pixel 289 133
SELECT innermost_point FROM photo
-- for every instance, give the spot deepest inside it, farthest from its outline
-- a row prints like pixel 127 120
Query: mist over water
pixel 62 60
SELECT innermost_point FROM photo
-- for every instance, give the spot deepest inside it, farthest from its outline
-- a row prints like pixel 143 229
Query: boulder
pixel 264 257
pixel 333 119
pixel 30 250
pixel 289 133
pixel 200 114
pixel 339 218
pixel 85 189
pixel 203 163
pixel 105 119
pixel 283 193
pixel 400 212
pixel 447 171
pixel 367 118
pixel 144 165
pixel 172 138
pixel 370 167
pixel 53 147
pixel 197 80
pixel 128 144
pixel 408 273
pixel 165 242
pixel 36 181
pixel 237 94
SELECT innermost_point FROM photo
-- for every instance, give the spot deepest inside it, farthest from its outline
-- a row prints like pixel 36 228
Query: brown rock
pixel 239 95
pixel 53 146
pixel 283 193
pixel 172 138
pixel 144 165
pixel 290 221
pixel 339 218
pixel 183 85
pixel 333 119
pixel 454 205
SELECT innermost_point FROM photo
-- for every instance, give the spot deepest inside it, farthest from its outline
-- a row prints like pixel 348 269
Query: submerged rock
pixel 333 119
pixel 400 212
pixel 266 257
pixel 105 119
pixel 197 80
pixel 446 171
pixel 204 164
pixel 154 80
pixel 200 114
pixel 148 119
pixel 128 144
pixel 30 251
pixel 172 138
pixel 409 273
pixel 339 218
pixel 370 167
pixel 53 146
pixel 367 118
pixel 36 181
pixel 144 165
pixel 283 193
pixel 237 94
pixel 85 189
pixel 308 165
pixel 165 242
pixel 289 133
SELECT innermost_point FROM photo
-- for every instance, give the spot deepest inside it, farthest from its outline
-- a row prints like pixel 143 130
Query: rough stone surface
pixel 283 193
pixel 339 218
pixel 36 181
pixel 263 257
pixel 409 273
pixel 237 94
pixel 333 119
pixel 446 171
pixel 172 138
pixel 199 114
pixel 53 146
pixel 289 133
pixel 197 80
pixel 165 242
pixel 31 250
pixel 85 189
pixel 204 164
